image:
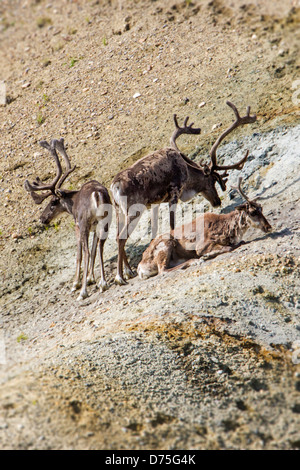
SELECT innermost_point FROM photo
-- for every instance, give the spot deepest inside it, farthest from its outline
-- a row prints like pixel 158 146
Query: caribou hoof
pixel 128 274
pixel 120 281
pixel 91 280
pixel 103 286
pixel 82 295
pixel 197 262
pixel 75 286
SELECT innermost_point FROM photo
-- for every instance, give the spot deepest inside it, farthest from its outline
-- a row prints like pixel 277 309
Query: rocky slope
pixel 205 358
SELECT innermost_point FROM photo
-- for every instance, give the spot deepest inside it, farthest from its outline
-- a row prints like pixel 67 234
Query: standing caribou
pixel 168 175
pixel 89 208
pixel 207 236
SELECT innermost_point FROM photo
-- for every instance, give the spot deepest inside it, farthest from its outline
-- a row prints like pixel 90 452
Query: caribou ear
pixel 59 193
pixel 242 207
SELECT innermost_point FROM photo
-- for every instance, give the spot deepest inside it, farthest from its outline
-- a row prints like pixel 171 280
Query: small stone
pixel 282 52
pixel 15 235
pixel 258 290
pixel 136 95
pixel 201 104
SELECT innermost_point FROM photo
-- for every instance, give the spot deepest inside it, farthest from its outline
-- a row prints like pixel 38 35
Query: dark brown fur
pixel 163 176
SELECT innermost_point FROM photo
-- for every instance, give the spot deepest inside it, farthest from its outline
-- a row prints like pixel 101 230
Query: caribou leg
pixel 86 258
pixel 122 237
pixel 91 276
pixel 76 283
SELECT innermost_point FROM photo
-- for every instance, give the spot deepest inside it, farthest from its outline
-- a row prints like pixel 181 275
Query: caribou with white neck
pixel 90 208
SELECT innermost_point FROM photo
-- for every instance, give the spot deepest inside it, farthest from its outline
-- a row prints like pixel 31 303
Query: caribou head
pixel 56 204
pixel 204 177
pixel 253 210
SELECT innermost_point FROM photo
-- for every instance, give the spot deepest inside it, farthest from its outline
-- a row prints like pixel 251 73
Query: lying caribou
pixel 168 175
pixel 87 206
pixel 207 236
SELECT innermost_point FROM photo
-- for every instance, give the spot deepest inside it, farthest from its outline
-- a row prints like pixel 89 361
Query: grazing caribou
pixel 207 236
pixel 167 175
pixel 87 206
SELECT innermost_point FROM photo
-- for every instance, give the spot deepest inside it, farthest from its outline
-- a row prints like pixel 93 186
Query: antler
pixel 239 189
pixel 182 130
pixel 240 121
pixel 59 145
pixel 37 185
pixel 59 178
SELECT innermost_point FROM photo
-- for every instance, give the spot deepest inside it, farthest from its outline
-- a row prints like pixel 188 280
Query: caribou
pixel 89 207
pixel 167 175
pixel 206 237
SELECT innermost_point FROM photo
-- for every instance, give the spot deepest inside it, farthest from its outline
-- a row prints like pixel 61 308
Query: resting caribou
pixel 168 175
pixel 87 206
pixel 207 236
